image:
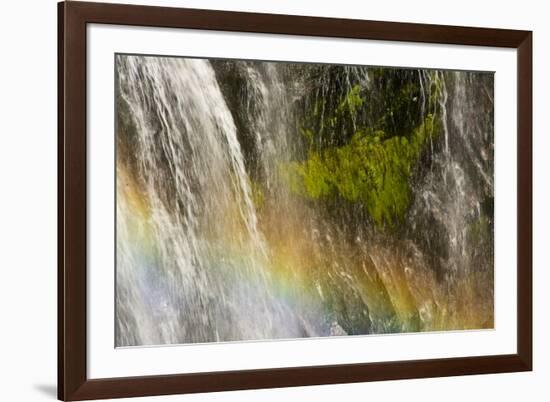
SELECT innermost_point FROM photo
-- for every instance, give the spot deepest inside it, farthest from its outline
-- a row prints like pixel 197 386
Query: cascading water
pixel 455 199
pixel 177 269
pixel 214 245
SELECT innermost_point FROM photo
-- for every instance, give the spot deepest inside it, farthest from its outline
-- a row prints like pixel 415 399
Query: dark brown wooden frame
pixel 73 383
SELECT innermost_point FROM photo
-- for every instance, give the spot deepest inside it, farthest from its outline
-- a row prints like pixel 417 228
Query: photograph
pixel 268 200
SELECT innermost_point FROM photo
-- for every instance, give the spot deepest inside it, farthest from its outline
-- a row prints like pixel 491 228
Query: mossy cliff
pixel 372 169
pixel 375 165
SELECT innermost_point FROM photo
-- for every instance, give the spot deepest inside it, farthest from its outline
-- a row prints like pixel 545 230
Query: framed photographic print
pixel 253 200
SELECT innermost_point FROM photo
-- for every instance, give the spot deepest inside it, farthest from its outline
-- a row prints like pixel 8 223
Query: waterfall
pixel 186 164
pixel 453 193
pixel 213 245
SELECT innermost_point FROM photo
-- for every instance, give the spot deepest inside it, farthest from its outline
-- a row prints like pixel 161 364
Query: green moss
pixel 364 146
pixel 257 194
pixel 371 169
pixel 308 135
pixel 435 92
pixel 351 102
pixel 328 121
